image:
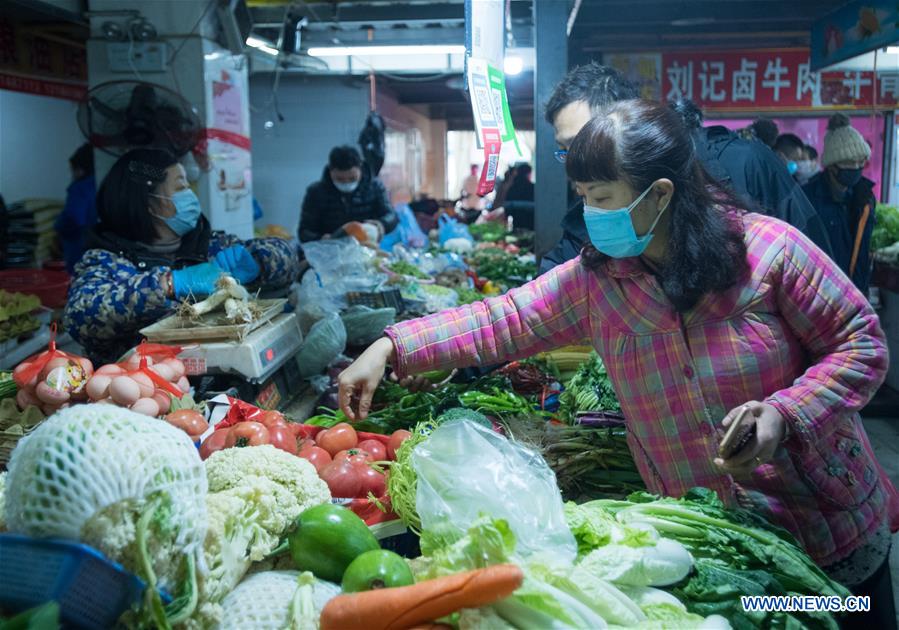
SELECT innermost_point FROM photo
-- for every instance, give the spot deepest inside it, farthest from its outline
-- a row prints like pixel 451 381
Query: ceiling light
pixel 512 65
pixel 345 51
pixel 261 44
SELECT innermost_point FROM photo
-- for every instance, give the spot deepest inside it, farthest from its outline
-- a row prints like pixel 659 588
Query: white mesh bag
pixel 87 457
pixel 263 600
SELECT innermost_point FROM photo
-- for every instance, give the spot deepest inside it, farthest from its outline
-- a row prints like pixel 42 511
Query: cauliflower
pixel 228 468
pixel 130 485
pixel 277 599
pixel 256 494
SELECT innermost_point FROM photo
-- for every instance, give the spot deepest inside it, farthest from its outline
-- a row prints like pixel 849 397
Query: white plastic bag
pixel 466 470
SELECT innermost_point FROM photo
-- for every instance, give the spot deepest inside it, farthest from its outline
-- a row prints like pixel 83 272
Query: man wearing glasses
pixel 845 200
pixel 749 168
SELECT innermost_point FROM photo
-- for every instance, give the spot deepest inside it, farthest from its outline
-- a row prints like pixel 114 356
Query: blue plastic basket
pixel 91 591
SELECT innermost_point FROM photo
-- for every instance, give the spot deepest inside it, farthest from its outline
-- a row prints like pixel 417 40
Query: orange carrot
pixel 405 607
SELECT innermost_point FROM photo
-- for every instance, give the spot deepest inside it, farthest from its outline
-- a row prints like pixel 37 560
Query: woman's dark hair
pixel 123 201
pixel 83 159
pixel 344 158
pixel 640 142
pixel 811 152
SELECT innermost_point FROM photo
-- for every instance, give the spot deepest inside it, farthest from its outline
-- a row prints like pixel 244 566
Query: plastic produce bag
pixel 500 478
pixel 450 229
pixel 324 343
pixel 365 325
pixel 407 233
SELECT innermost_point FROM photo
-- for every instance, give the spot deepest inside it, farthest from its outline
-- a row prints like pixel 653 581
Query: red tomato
pixel 247 434
pixel 376 449
pixel 343 479
pixel 354 456
pixel 318 457
pixel 214 442
pixel 371 481
pixel 268 418
pixel 190 421
pixel 338 438
pixel 280 436
pixel 399 436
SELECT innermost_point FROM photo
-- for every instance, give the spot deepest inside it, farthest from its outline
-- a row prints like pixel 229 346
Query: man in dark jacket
pixel 750 169
pixel 845 200
pixel 346 193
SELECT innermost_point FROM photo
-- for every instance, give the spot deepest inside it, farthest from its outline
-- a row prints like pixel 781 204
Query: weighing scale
pixel 256 358
pixel 257 365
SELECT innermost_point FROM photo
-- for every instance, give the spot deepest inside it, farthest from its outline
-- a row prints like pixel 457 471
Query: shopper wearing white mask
pixel 347 200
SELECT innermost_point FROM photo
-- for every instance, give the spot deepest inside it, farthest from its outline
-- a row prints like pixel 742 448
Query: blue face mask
pixel 612 231
pixel 187 211
pixel 792 167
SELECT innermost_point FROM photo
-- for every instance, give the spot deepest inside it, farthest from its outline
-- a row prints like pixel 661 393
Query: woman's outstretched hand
pixel 357 383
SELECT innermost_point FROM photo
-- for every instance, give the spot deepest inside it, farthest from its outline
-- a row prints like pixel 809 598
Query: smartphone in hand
pixel 738 434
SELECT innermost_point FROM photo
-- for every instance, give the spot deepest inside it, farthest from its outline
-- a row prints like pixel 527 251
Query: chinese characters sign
pixel 30 63
pixel 777 80
pixel 757 80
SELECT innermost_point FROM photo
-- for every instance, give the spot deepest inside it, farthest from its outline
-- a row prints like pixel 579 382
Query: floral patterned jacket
pixel 116 288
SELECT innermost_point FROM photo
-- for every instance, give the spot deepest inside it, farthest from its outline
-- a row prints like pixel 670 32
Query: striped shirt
pixel 794 333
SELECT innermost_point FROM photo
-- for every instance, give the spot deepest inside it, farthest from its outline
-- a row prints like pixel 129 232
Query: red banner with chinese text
pixel 771 80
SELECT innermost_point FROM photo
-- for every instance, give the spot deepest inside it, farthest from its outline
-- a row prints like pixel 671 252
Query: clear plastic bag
pixel 324 343
pixel 365 325
pixel 466 470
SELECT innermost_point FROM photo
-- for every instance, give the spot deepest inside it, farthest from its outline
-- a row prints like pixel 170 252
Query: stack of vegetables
pixel 885 237
pixel 503 269
pixel 249 539
pixel 16 314
pixel 154 507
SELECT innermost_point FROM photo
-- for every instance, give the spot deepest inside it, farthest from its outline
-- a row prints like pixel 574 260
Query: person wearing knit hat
pixel 845 199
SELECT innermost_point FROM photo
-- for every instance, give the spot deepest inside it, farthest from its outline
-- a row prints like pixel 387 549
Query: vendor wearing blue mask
pixel 844 199
pixel 152 249
pixel 347 194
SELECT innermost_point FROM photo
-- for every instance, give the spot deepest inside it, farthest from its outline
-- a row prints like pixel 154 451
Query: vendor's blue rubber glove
pixel 238 262
pixel 197 280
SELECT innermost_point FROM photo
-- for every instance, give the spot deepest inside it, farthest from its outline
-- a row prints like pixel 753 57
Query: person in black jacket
pixel 845 200
pixel 749 168
pixel 347 193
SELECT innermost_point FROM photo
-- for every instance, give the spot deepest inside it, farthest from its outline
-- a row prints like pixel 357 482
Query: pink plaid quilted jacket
pixel 796 333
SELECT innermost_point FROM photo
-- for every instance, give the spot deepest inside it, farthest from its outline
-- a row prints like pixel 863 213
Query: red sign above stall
pixel 774 80
pixel 757 80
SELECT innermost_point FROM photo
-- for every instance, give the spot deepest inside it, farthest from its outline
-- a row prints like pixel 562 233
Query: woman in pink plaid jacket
pixel 698 308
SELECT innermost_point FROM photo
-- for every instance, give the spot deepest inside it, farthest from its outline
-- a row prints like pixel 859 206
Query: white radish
pixel 184 384
pixel 124 391
pixel 146 406
pixel 146 384
pixel 98 386
pixel 32 382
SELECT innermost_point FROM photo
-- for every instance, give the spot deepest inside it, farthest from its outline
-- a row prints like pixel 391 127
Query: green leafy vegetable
pixel 589 390
pixel 886 230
